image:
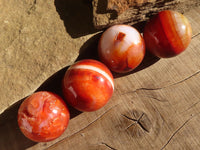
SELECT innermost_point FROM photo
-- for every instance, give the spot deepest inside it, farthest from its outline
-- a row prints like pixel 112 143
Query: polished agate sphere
pixel 167 34
pixel 121 48
pixel 88 85
pixel 43 116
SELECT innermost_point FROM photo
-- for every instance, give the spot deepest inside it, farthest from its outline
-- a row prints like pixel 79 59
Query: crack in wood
pixel 130 118
pixel 85 126
pixel 110 147
pixel 171 137
pixel 136 121
pixel 160 88
pixel 195 35
pixel 193 105
pixel 156 99
pixel 196 73
pixel 174 134
pixel 131 125
pixel 143 127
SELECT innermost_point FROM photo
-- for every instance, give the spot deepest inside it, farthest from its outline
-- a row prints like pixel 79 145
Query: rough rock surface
pixel 37 39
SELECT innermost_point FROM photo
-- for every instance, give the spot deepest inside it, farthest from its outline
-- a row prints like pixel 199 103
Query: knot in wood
pixel 137 123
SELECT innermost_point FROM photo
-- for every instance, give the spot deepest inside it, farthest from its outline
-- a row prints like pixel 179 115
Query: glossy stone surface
pixel 88 85
pixel 43 116
pixel 121 48
pixel 167 34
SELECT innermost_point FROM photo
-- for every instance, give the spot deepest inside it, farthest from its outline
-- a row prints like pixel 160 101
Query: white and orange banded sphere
pixel 88 85
pixel 121 48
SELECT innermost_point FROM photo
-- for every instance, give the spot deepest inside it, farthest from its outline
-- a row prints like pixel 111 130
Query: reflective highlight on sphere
pixel 88 85
pixel 121 48
pixel 43 116
pixel 167 34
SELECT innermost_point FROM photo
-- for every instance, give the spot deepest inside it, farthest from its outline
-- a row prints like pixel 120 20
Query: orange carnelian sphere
pixel 43 116
pixel 167 34
pixel 88 85
pixel 121 48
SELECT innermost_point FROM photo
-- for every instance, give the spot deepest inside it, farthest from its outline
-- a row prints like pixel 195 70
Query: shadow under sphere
pixel 9 129
pixel 11 136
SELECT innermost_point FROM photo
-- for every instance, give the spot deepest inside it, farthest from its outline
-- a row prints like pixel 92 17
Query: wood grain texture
pixel 110 12
pixel 157 106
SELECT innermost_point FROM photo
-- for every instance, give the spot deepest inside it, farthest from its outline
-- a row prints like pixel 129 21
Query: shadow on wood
pixel 10 132
pixel 140 26
pixel 76 15
pixel 148 60
pixel 54 84
pixel 11 136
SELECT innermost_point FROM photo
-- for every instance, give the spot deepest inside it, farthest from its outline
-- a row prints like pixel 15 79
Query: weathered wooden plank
pixel 149 107
pixel 110 12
